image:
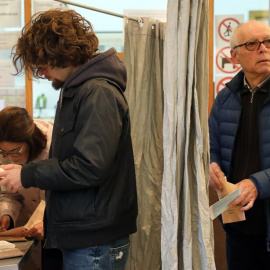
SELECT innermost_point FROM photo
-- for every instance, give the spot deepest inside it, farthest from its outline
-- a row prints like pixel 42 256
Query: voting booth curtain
pixel 167 93
pixel 187 235
pixel 143 56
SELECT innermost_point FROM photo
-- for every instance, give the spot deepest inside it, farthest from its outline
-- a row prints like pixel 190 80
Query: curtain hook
pixel 140 21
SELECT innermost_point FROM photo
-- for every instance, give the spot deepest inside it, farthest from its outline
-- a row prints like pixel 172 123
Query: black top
pixel 246 157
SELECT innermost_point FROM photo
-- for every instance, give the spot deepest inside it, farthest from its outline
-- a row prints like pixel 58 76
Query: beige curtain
pixel 143 57
pixel 187 235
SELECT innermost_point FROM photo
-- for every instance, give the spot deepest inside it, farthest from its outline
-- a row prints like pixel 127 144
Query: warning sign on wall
pixel 224 26
pixel 220 82
pixel 224 68
pixel 224 62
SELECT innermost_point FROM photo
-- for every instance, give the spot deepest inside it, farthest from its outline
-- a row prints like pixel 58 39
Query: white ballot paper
pixel 217 208
pixel 6 245
pixel 37 216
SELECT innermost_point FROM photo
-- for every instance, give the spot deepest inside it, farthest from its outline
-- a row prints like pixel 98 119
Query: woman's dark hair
pixel 16 125
pixel 54 38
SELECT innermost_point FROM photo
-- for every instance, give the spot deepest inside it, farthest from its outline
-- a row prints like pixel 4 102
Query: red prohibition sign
pixel 226 26
pixel 221 83
pixel 225 59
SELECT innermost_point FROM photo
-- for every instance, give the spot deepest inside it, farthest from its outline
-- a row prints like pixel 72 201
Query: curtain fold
pixel 143 57
pixel 168 100
pixel 187 233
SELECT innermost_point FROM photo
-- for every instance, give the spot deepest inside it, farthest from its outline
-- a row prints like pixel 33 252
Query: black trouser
pixel 51 259
pixel 246 252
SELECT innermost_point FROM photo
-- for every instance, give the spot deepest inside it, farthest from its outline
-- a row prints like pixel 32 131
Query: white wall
pixel 225 7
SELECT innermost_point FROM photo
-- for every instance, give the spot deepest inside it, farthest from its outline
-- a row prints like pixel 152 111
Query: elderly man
pixel 239 126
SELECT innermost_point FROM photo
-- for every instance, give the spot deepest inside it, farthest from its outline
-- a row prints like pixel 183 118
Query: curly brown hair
pixel 54 38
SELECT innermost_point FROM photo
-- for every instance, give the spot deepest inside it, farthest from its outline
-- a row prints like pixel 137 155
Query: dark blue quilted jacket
pixel 223 125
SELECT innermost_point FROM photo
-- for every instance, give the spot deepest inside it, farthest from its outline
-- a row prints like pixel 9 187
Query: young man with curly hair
pixel 89 178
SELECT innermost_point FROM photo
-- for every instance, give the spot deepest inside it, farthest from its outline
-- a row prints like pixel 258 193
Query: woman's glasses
pixel 12 153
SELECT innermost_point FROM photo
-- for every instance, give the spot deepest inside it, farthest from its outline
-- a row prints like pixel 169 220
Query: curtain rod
pixel 96 9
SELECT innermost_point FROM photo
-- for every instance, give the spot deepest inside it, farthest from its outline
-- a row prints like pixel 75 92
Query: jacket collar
pixel 259 87
pixel 236 84
pixel 237 81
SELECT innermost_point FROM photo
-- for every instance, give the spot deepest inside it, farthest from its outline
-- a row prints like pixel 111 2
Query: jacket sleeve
pixel 214 132
pixel 11 205
pixel 98 130
pixel 262 182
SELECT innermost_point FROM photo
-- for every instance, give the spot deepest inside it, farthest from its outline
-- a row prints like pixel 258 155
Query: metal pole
pixel 96 9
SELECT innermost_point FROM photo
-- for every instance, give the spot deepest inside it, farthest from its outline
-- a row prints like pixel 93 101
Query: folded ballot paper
pixel 37 216
pixel 226 196
pixel 17 234
pixel 10 250
pixel 6 245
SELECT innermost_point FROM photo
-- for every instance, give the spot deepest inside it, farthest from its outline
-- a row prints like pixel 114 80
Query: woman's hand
pixel 37 231
pixel 4 222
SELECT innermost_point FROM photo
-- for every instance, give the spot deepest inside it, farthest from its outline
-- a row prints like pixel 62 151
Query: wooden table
pixel 26 261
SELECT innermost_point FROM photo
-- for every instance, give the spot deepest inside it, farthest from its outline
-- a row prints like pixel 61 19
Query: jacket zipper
pixel 252 95
pixel 45 243
pixel 250 127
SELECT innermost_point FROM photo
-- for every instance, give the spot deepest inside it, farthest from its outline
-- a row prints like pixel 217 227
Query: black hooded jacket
pixel 89 179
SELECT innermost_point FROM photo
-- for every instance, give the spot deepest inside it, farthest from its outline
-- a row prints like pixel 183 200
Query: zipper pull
pixel 252 96
pixel 45 242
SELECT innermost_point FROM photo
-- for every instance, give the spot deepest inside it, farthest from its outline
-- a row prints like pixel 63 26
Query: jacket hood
pixel 105 65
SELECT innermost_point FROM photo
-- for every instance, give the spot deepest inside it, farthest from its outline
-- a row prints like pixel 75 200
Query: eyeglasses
pixel 254 45
pixel 12 153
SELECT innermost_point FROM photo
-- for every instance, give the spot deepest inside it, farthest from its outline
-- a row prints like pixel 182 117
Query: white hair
pixel 234 38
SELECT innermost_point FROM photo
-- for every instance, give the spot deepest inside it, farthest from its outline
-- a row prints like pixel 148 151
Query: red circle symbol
pixel 225 63
pixel 222 83
pixel 226 27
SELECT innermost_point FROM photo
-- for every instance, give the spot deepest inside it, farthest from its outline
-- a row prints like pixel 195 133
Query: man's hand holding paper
pixel 248 195
pixel 216 176
pixel 223 188
pixel 10 176
pixel 218 182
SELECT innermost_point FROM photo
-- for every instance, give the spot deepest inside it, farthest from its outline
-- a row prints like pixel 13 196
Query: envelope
pixel 232 214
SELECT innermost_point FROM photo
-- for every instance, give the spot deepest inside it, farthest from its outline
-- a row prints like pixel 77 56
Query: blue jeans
pixel 112 256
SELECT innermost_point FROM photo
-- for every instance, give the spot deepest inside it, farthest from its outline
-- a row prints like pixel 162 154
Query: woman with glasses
pixel 22 140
